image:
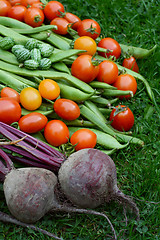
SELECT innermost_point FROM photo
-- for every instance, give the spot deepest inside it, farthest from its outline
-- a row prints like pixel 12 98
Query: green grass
pixel 138 169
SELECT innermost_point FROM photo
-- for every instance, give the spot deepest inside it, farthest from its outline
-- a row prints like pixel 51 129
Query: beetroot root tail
pixel 68 209
pixel 128 202
pixel 9 219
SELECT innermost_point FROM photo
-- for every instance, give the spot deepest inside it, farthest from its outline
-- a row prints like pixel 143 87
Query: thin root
pixel 9 219
pixel 86 211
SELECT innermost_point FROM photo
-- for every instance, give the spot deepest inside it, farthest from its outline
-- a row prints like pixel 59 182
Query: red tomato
pixel 11 93
pixel 17 12
pixel 62 25
pixel 90 28
pixel 66 109
pixel 86 43
pixel 39 5
pixel 49 89
pixel 84 69
pixel 108 72
pixel 112 45
pixel 126 82
pixel 130 63
pixel 72 18
pixel 14 2
pixel 56 133
pixel 4 7
pixel 32 122
pixel 10 110
pixel 122 118
pixel 30 98
pixel 84 138
pixel 53 9
pixel 34 17
pixel 28 3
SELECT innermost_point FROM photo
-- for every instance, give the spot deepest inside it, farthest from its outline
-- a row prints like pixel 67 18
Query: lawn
pixel 134 23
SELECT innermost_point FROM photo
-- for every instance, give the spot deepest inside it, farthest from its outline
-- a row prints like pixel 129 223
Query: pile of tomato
pixel 85 68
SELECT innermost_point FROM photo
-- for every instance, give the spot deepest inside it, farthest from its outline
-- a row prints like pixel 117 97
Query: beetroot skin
pixel 29 193
pixel 88 178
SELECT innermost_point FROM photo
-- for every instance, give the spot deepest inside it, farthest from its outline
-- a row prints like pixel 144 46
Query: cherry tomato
pixel 30 98
pixel 84 138
pixel 49 89
pixel 90 28
pixel 4 7
pixel 84 69
pixel 62 25
pixel 34 17
pixel 126 82
pixel 122 118
pixel 10 110
pixel 131 63
pixel 32 122
pixel 112 45
pixel 17 12
pixel 11 93
pixel 86 43
pixel 56 133
pixel 28 3
pixel 108 72
pixel 53 9
pixel 72 18
pixel 39 5
pixel 15 2
pixel 66 109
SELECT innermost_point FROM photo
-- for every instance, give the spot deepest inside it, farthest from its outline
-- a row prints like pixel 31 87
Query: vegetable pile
pixel 61 111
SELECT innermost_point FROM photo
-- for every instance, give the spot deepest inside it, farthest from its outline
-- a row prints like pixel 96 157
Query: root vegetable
pixel 31 192
pixel 88 178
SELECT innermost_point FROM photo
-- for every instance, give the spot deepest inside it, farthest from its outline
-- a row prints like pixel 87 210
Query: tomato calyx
pixel 119 109
pixel 91 30
pixel 67 149
pixel 37 19
pixel 95 61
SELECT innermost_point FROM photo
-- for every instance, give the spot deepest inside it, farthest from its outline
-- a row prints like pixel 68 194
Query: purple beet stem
pixel 31 148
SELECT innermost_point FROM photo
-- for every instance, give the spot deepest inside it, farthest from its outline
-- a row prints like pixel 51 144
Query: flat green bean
pixel 47 74
pixel 101 85
pixel 56 57
pixel 92 106
pixel 89 115
pixel 12 82
pixel 57 41
pixel 18 38
pixel 46 113
pixel 13 23
pixel 113 93
pixel 24 80
pixel 42 36
pixel 106 111
pixel 35 30
pixel 61 66
pixel 103 101
pixel 136 51
pixel 73 93
pixel 9 57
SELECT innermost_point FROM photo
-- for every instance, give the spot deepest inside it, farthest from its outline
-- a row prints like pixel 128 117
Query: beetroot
pixel 88 178
pixel 31 192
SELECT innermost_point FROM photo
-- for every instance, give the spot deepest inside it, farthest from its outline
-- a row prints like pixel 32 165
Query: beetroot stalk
pixel 31 148
pixel 28 138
